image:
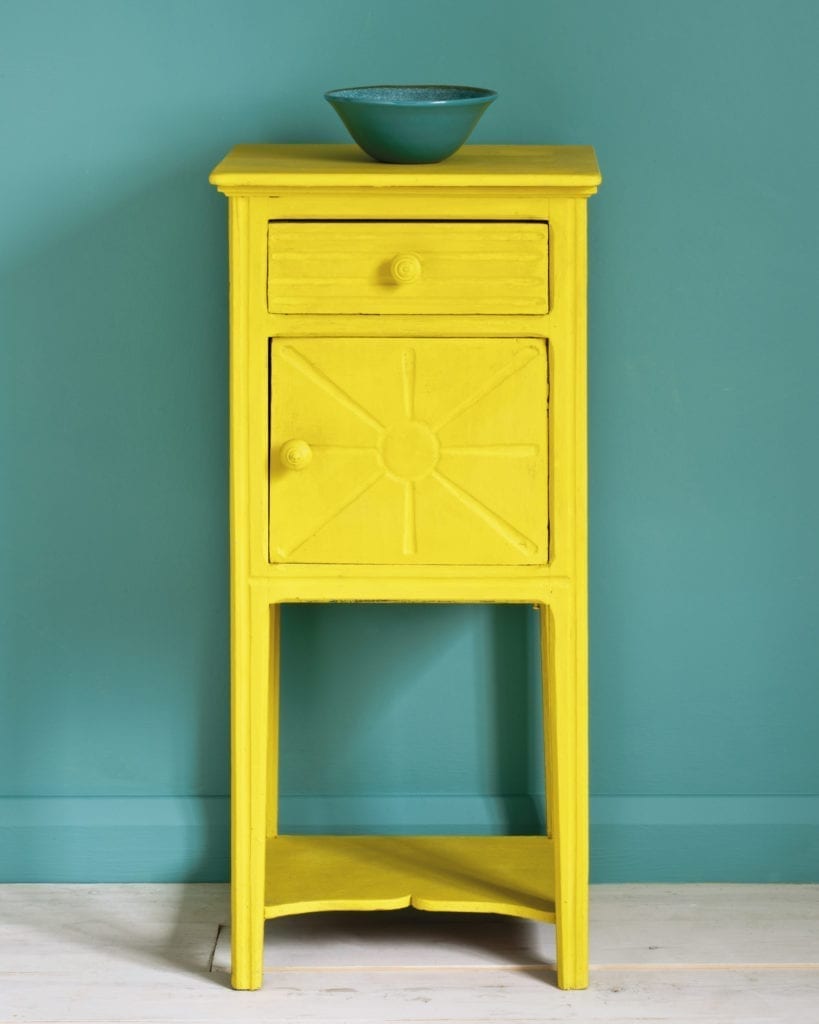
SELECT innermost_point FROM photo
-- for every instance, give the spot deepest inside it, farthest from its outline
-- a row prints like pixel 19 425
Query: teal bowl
pixel 410 124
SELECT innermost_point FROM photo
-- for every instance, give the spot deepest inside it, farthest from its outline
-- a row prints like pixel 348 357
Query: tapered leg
pixel 565 704
pixel 254 654
pixel 273 723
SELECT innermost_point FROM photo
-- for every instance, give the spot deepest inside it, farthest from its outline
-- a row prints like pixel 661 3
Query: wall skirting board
pixel 634 838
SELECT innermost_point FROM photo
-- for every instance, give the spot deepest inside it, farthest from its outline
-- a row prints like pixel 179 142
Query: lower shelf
pixel 497 874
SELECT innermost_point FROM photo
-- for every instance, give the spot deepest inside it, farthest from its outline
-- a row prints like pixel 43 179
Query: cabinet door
pixel 391 451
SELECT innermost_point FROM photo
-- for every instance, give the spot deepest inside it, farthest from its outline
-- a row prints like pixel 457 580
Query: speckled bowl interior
pixel 414 94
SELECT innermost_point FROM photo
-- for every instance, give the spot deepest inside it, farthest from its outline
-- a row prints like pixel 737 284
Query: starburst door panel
pixel 415 451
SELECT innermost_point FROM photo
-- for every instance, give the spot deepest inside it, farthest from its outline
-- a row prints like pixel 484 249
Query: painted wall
pixel 704 425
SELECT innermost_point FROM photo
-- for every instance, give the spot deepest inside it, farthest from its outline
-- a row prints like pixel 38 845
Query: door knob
pixel 405 268
pixel 295 454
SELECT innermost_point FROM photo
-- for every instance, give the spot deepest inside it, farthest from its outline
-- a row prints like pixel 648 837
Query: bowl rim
pixel 363 94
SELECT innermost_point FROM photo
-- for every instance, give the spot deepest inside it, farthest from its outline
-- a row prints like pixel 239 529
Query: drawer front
pixel 398 267
pixel 409 451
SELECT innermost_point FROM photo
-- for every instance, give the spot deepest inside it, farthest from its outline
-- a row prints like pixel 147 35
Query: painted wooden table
pixel 408 423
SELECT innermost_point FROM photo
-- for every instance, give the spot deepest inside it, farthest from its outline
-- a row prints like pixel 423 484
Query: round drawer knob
pixel 295 454
pixel 405 268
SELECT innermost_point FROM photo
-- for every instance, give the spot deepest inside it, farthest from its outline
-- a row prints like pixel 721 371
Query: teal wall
pixel 704 422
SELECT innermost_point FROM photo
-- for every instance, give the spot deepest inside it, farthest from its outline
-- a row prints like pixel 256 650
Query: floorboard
pixel 140 954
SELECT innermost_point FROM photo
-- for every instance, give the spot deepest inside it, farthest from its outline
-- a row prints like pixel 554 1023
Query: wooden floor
pixel 160 954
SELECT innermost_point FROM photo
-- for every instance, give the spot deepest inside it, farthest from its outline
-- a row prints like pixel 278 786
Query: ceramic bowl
pixel 410 124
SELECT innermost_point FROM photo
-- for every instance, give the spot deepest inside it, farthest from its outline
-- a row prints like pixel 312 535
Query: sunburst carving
pixel 409 449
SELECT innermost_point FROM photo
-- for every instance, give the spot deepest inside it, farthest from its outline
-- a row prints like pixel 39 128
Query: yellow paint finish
pixel 479 874
pixel 253 169
pixel 355 267
pixel 408 423
pixel 415 451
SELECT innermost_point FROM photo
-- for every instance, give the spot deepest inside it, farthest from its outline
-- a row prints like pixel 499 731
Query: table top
pixel 248 168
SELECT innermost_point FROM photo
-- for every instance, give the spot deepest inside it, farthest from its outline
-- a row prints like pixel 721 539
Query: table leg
pixel 249 762
pixel 565 706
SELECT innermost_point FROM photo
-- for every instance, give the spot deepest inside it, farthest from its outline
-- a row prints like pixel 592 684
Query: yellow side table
pixel 408 423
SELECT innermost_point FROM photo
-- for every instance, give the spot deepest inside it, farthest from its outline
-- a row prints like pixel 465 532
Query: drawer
pixel 403 451
pixel 407 267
